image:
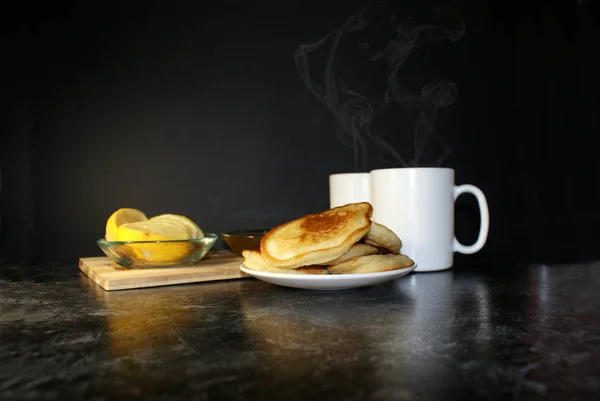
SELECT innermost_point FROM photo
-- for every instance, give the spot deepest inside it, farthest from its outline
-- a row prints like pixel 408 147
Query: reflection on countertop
pixel 528 332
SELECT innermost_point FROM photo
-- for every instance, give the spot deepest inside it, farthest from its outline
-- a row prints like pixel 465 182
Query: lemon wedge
pixel 120 217
pixel 183 222
pixel 156 230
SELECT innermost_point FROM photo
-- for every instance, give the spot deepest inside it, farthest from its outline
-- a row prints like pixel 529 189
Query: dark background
pixel 196 109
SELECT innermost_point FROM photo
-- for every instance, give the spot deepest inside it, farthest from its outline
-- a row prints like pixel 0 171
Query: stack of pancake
pixel 342 240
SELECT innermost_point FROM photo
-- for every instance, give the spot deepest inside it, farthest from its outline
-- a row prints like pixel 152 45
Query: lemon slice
pixel 120 217
pixel 156 230
pixel 181 221
pixel 151 230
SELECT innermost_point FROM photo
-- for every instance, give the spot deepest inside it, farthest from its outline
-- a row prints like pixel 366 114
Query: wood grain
pixel 217 265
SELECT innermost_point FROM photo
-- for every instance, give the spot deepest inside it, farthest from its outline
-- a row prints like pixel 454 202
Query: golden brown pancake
pixel 254 260
pixel 355 251
pixel 316 238
pixel 382 237
pixel 372 264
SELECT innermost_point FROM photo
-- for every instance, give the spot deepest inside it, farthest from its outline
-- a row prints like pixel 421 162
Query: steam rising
pixel 385 40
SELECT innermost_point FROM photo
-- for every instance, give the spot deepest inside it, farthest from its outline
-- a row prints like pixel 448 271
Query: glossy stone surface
pixel 530 332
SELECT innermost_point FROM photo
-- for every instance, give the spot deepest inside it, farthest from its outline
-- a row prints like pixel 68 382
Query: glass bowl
pixel 241 240
pixel 142 254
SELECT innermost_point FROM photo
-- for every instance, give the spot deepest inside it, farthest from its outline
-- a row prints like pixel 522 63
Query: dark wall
pixel 182 108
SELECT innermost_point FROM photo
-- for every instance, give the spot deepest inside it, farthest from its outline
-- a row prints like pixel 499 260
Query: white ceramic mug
pixel 418 205
pixel 349 188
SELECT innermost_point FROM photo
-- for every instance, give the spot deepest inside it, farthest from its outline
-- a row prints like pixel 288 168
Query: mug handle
pixel 484 215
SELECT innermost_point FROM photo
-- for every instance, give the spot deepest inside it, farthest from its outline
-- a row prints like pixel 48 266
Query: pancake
pixel 382 237
pixel 254 260
pixel 355 251
pixel 372 264
pixel 316 238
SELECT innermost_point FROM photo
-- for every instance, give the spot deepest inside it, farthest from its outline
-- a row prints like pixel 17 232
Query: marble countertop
pixel 529 332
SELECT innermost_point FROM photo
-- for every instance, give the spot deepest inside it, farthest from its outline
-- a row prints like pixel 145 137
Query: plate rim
pixel 327 277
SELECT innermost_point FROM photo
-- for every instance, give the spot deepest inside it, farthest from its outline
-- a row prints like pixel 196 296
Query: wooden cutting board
pixel 217 265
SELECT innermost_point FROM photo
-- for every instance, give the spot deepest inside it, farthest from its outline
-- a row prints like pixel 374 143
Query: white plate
pixel 328 281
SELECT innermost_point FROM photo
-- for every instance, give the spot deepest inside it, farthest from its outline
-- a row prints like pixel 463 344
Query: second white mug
pixel 349 188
